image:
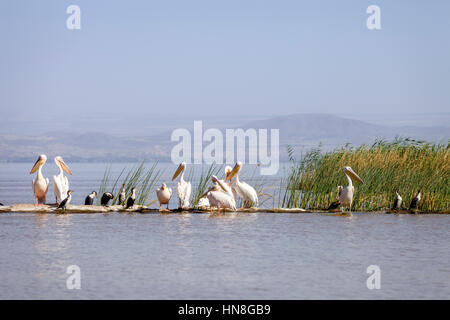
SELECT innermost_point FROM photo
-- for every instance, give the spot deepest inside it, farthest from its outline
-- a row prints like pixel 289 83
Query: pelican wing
pixel 223 200
pixel 247 192
pixel 58 187
pixel 184 193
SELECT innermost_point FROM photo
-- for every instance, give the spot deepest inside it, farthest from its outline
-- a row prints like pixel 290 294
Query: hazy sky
pixel 216 57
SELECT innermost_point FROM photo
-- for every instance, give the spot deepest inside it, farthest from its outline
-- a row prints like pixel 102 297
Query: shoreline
pixel 86 209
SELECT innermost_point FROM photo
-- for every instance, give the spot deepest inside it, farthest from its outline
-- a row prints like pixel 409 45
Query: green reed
pixel 403 164
pixel 144 179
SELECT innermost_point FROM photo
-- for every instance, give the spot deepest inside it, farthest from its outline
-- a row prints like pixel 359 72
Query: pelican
pixel 60 182
pixel 203 202
pixel 183 187
pixel 415 201
pixel 346 193
pixel 132 198
pixel 89 201
pixel 220 196
pixel 397 202
pixel 40 185
pixel 164 194
pixel 244 190
pixel 66 201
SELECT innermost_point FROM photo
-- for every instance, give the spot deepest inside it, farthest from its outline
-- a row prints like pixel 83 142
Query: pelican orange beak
pixel 39 163
pixel 228 176
pixel 235 170
pixel 64 166
pixel 353 175
pixel 179 170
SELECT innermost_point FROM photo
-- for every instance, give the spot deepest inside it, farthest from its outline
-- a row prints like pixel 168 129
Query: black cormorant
pixel 415 202
pixel 122 195
pixel 334 205
pixel 66 201
pixel 397 202
pixel 89 201
pixel 105 198
pixel 132 198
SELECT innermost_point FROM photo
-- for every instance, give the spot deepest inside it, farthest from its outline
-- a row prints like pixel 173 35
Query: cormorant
pixel 334 205
pixel 66 201
pixel 415 201
pixel 122 195
pixel 397 202
pixel 89 201
pixel 105 198
pixel 132 198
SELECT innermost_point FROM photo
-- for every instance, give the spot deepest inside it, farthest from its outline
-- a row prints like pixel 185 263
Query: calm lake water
pixel 210 256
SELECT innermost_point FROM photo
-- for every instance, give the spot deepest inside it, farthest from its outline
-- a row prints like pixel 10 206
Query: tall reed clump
pixel 403 164
pixel 204 181
pixel 144 179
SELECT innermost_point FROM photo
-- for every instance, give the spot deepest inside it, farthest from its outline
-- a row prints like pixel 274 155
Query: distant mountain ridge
pixel 303 131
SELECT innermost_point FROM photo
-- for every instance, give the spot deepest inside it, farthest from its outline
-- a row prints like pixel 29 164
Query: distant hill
pixel 303 131
pixel 333 131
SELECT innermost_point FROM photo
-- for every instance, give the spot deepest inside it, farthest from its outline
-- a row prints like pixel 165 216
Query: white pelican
pixel 66 201
pixel 244 190
pixel 397 202
pixel 346 193
pixel 60 182
pixel 40 185
pixel 220 196
pixel 203 202
pixel 183 187
pixel 164 194
pixel 415 201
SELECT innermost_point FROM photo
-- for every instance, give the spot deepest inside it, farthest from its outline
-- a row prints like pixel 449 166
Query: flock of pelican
pixel 221 195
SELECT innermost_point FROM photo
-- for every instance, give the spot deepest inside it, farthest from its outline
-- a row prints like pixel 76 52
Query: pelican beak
pixel 233 172
pixel 179 169
pixel 353 175
pixel 39 162
pixel 64 166
pixel 228 177
pixel 221 186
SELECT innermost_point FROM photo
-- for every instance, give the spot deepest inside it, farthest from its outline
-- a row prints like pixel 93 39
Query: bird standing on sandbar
pixel 164 194
pixel 40 185
pixel 122 195
pixel 132 198
pixel 346 193
pixel 183 187
pixel 415 201
pixel 66 201
pixel 89 201
pixel 60 181
pixel 397 202
pixel 105 198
